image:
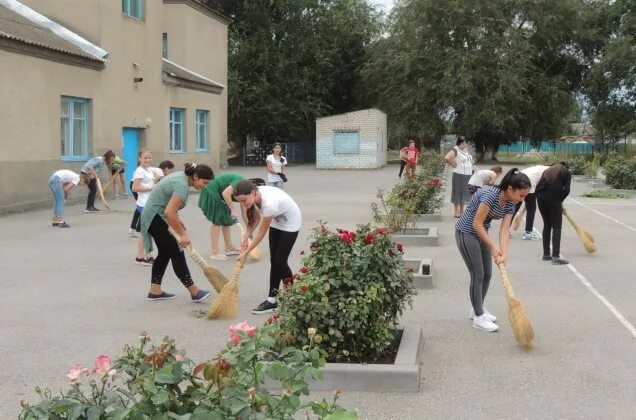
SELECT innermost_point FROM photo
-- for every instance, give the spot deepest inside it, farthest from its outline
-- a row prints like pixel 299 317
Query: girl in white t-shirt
pixel 279 215
pixel 276 167
pixel 60 184
pixel 143 181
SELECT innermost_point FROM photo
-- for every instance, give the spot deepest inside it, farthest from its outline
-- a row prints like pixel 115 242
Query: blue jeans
pixel 55 184
pixel 277 184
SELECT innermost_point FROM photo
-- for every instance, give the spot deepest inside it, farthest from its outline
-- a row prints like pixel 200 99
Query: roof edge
pixel 206 10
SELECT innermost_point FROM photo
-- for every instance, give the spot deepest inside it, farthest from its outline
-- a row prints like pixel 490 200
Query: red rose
pixel 304 270
pixel 380 231
pixel 304 288
pixel 368 240
pixel 390 253
pixel 347 237
pixel 399 247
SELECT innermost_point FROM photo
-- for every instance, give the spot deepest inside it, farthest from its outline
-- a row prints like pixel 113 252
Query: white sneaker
pixel 484 324
pixel 488 315
pixel 532 236
pixel 132 233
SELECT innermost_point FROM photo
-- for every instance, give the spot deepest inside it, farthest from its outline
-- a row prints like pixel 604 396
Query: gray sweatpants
pixel 478 259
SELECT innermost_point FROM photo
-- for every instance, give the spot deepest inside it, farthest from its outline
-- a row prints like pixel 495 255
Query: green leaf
pixel 268 341
pixel 160 397
pixel 342 415
pixel 165 376
pixel 94 412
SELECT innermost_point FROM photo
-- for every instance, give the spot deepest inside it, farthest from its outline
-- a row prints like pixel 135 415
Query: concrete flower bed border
pixel 402 376
pixel 423 272
pixel 417 236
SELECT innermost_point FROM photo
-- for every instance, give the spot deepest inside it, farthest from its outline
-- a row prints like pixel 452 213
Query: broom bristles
pixel 520 323
pixel 226 305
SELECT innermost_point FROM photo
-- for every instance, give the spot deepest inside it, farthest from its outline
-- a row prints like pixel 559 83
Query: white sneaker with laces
pixel 488 315
pixel 484 324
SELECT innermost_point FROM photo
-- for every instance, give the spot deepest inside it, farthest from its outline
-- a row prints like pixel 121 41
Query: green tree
pixel 494 70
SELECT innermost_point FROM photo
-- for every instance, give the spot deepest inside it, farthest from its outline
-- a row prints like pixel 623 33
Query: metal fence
pixel 567 149
pixel 295 153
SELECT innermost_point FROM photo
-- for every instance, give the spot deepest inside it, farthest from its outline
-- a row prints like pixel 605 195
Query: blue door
pixel 129 151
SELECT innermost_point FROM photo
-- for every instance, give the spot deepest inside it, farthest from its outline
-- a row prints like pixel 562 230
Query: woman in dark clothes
pixel 552 189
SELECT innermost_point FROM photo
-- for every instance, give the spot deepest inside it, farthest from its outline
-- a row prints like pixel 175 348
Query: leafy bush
pixel 592 167
pixel 431 164
pixel 620 172
pixel 159 382
pixel 353 289
pixel 606 194
pixel 577 165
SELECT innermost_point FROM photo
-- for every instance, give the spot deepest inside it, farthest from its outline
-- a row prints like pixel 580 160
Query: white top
pixel 279 205
pixel 67 176
pixel 147 177
pixel 277 165
pixel 464 162
pixel 482 177
pixel 534 173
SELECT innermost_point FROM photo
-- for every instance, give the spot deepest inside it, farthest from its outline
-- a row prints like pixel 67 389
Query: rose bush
pixel 159 382
pixel 352 289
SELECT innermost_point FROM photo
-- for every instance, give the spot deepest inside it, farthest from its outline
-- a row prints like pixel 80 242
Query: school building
pixel 80 77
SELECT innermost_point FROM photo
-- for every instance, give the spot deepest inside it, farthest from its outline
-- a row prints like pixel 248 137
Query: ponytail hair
pixel 515 179
pixel 200 170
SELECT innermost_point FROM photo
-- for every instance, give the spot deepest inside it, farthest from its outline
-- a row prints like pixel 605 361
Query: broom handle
pixel 572 222
pixel 242 229
pixel 237 270
pixel 101 192
pixel 505 280
pixel 201 262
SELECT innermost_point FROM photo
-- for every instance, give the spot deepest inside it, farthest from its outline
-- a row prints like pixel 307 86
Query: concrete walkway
pixel 71 295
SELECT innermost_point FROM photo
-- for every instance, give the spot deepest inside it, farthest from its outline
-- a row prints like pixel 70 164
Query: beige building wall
pixel 31 90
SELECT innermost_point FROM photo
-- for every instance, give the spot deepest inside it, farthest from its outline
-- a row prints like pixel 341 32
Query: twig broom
pixel 519 320
pixel 226 304
pixel 255 253
pixel 214 276
pixel 518 218
pixel 584 235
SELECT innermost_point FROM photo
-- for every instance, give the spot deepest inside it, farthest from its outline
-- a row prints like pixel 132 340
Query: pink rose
pixel 235 339
pixel 76 372
pixel 102 365
pixel 179 358
pixel 243 326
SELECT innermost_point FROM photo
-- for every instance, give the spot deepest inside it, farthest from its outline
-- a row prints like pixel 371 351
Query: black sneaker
pixel 162 296
pixel 265 308
pixel 142 261
pixel 559 261
pixel 92 210
pixel 546 258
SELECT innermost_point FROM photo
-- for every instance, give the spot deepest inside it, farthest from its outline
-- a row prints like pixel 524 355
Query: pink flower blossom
pixel 243 326
pixel 76 372
pixel 102 365
pixel 179 358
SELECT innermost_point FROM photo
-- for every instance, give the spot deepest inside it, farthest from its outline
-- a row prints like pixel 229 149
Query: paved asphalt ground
pixel 71 295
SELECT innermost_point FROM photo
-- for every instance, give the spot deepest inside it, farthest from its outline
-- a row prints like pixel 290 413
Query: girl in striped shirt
pixel 476 246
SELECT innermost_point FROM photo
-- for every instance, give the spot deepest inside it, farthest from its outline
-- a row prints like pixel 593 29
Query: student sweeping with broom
pixel 216 204
pixel 478 248
pixel 162 210
pixel 552 189
pixel 279 215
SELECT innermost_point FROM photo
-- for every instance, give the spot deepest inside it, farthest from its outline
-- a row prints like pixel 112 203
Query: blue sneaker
pixel 201 295
pixel 162 296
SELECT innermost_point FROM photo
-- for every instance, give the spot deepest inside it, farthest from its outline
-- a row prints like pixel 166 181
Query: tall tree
pixel 495 70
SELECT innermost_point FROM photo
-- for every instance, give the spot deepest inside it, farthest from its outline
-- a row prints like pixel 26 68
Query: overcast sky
pixel 386 4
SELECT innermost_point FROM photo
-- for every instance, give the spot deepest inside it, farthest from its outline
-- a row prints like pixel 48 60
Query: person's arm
pixel 172 217
pixel 504 237
pixel 227 197
pixel 247 246
pixel 67 187
pixel 270 168
pixel 566 186
pixel 478 224
pixel 450 158
pixel 136 187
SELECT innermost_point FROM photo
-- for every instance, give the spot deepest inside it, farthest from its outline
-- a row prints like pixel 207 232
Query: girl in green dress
pixel 216 203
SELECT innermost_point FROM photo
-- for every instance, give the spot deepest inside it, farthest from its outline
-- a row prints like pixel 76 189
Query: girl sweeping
pixel 162 210
pixel 552 189
pixel 60 184
pixel 217 205
pixel 484 177
pixel 476 246
pixel 91 169
pixel 277 214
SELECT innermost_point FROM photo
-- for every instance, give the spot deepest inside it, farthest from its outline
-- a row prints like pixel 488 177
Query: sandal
pixel 232 252
pixel 220 257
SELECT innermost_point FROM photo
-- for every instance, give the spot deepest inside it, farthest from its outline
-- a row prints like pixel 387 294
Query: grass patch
pixel 606 194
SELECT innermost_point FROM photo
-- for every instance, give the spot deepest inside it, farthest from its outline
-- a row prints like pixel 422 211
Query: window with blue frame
pixel 74 128
pixel 177 137
pixel 203 143
pixel 133 8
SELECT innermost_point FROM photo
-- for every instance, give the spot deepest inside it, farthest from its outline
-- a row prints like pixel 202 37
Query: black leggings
pixel 280 246
pixel 478 260
pixel 402 165
pixel 92 191
pixel 136 214
pixel 167 249
pixel 552 214
pixel 531 209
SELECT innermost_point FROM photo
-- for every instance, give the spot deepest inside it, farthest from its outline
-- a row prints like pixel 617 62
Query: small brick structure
pixel 355 140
